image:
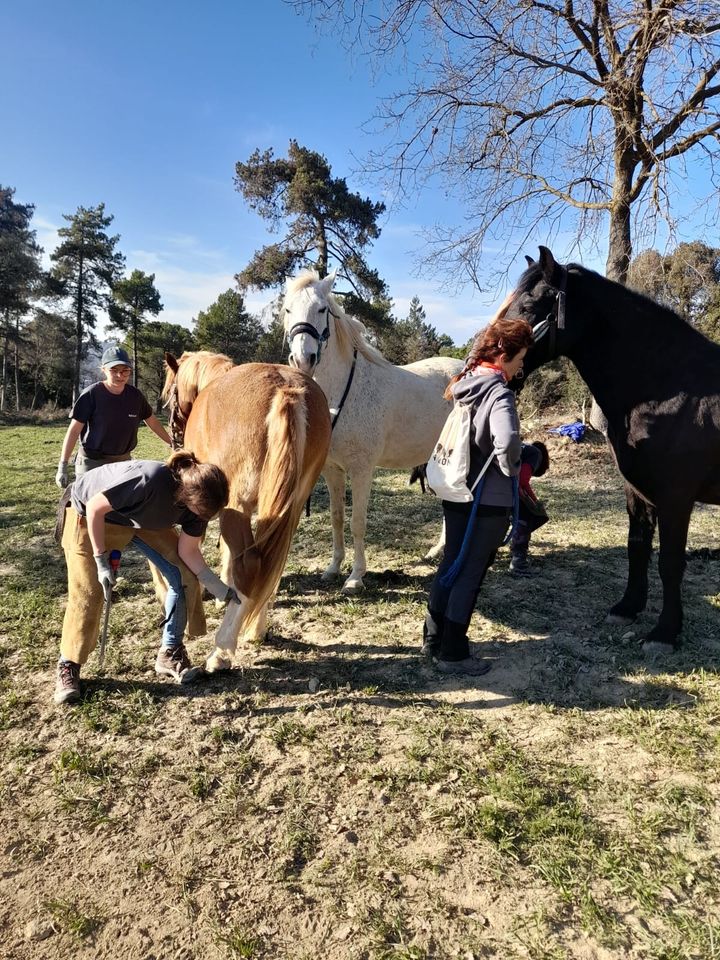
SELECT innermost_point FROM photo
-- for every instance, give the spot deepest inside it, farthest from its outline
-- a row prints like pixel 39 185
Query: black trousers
pixel 450 608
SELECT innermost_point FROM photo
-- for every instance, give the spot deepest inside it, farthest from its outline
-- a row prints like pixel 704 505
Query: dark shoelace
pixel 69 674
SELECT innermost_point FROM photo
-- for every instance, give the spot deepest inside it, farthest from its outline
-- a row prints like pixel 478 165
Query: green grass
pixel 563 806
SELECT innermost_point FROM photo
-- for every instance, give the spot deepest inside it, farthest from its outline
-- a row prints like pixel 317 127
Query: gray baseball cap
pixel 115 356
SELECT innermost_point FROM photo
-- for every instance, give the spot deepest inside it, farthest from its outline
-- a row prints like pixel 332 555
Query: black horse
pixel 657 380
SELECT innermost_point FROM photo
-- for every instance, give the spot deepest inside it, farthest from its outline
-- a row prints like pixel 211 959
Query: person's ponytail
pixel 201 487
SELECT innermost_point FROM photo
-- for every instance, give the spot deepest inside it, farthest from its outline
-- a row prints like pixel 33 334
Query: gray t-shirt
pixel 111 419
pixel 141 493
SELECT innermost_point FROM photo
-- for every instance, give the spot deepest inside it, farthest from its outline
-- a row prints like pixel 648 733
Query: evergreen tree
pixel 272 346
pixel 20 276
pixel 413 338
pixel 685 280
pixel 226 327
pixel 324 223
pixel 134 297
pixel 87 265
pixel 47 358
pixel 159 337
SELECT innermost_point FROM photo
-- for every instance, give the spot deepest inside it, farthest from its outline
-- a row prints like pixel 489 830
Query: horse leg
pixel 437 551
pixel 258 632
pixel 236 532
pixel 360 483
pixel 335 479
pixel 226 638
pixel 673 527
pixel 639 548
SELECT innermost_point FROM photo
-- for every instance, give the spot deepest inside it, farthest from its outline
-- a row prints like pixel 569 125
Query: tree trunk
pixel 3 387
pixel 16 357
pixel 78 332
pixel 136 376
pixel 322 261
pixel 619 249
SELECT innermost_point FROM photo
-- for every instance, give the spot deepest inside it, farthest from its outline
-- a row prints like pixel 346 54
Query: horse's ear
pixel 328 282
pixel 548 264
pixel 530 261
pixel 171 362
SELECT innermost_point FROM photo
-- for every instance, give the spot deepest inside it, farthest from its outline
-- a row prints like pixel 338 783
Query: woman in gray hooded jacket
pixel 496 357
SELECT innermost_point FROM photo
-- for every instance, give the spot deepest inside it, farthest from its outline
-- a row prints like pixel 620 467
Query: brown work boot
pixel 67 685
pixel 174 662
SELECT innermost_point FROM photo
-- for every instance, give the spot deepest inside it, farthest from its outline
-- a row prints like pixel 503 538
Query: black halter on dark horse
pixel 657 380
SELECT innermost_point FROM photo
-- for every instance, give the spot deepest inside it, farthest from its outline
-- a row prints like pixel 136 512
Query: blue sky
pixel 148 106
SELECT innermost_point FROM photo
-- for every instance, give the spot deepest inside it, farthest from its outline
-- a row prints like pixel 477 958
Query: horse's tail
pixel 280 497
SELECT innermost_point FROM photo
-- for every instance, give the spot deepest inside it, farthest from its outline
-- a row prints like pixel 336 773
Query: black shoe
pixel 469 667
pixel 520 566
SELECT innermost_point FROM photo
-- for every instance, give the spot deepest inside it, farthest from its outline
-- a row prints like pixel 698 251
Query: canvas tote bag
pixel 448 467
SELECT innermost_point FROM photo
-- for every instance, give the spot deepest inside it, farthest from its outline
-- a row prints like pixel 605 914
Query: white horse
pixel 383 415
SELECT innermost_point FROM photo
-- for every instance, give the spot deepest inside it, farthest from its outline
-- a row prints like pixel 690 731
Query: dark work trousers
pixel 450 608
pixel 520 542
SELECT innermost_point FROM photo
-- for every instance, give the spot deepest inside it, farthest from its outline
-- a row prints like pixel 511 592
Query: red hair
pixel 500 338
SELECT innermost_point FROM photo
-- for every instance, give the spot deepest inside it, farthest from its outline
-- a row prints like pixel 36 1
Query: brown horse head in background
pixel 184 379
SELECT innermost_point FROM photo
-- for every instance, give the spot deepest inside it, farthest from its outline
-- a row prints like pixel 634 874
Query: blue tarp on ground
pixel 576 431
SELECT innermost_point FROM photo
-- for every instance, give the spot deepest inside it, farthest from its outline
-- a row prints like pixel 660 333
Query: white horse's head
pixel 307 317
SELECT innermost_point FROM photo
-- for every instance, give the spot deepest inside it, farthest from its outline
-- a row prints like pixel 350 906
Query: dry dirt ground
pixel 334 796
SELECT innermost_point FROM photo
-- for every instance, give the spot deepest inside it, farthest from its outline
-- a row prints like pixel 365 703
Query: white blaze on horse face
pixel 309 306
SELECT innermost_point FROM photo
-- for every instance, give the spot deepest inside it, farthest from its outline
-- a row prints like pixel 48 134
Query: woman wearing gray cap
pixel 106 417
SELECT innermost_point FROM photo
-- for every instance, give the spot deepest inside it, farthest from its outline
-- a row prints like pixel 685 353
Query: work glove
pixel 217 587
pixel 106 574
pixel 61 477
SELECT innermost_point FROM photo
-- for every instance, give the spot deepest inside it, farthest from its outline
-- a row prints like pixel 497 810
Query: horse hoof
pixel 620 620
pixel 654 650
pixel 353 587
pixel 329 574
pixel 216 663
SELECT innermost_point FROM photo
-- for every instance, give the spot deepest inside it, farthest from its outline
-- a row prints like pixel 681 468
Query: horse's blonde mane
pixel 196 369
pixel 351 332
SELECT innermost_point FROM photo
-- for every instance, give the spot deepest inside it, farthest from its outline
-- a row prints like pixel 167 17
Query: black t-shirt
pixel 111 419
pixel 142 495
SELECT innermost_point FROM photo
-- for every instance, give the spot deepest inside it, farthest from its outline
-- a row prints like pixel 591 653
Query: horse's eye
pixel 322 310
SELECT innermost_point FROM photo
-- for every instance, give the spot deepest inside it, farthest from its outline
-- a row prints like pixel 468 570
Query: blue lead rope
pixel 451 574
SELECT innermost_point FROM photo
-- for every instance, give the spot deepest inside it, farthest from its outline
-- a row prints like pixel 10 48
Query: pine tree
pixel 20 276
pixel 159 337
pixel 226 327
pixel 325 225
pixel 87 265
pixel 134 297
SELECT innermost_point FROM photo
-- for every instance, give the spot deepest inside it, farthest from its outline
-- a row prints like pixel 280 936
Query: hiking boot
pixel 174 662
pixel 520 566
pixel 67 685
pixel 469 667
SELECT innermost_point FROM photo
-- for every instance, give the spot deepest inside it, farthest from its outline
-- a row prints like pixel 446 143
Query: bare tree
pixel 545 112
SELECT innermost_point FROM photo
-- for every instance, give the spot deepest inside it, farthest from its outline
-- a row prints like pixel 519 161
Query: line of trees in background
pixel 48 317
pixel 50 348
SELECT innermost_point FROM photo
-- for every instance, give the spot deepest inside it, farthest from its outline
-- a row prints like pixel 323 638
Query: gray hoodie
pixel 495 429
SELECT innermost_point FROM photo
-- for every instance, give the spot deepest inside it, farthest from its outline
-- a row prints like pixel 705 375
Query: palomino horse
pixel 657 380
pixel 267 427
pixel 383 415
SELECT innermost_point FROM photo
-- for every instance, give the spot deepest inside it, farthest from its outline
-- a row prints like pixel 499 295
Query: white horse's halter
pixel 309 328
